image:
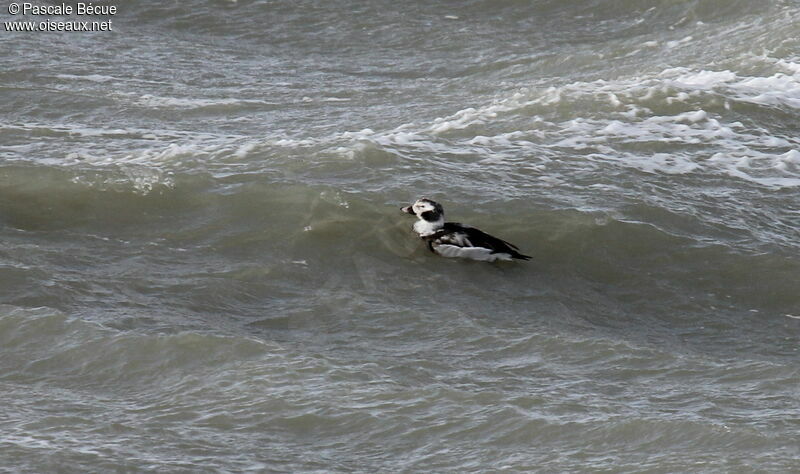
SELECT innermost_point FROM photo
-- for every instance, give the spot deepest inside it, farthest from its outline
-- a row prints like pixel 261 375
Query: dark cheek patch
pixel 428 215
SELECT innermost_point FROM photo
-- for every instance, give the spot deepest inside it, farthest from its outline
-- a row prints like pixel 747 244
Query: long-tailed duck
pixel 451 239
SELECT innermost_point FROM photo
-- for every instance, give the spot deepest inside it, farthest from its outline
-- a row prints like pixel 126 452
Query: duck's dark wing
pixel 479 238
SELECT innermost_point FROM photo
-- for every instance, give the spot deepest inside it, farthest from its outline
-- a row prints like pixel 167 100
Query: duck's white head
pixel 429 213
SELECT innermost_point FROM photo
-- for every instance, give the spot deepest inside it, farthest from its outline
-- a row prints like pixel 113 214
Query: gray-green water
pixel 204 266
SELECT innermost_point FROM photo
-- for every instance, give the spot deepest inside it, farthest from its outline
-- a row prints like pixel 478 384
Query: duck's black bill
pixel 407 210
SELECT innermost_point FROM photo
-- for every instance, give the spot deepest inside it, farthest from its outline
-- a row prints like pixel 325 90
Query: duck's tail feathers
pixel 520 256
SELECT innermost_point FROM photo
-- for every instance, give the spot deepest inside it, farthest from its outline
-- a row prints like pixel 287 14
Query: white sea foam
pixel 791 66
pixel 630 120
pixel 75 130
pixel 526 123
pixel 778 89
pixel 187 103
pixel 88 77
pixel 184 103
pixel 139 179
pixel 676 43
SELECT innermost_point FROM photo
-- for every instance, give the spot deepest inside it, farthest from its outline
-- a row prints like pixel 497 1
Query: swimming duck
pixel 451 239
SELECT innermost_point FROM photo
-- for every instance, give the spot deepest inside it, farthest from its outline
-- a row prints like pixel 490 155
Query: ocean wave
pixel 43 343
pixel 204 265
pixel 172 103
